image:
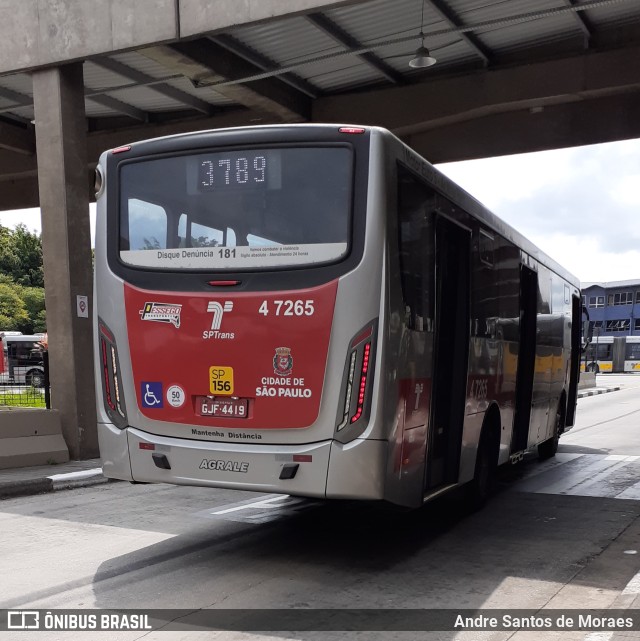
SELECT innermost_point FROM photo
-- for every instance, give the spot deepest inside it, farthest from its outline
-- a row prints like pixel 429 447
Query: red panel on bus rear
pixel 269 348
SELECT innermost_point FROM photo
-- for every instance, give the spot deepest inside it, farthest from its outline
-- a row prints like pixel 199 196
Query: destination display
pixel 225 171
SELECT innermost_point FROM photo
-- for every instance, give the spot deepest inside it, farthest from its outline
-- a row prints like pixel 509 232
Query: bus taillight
pixel 357 377
pixel 111 387
pixel 363 383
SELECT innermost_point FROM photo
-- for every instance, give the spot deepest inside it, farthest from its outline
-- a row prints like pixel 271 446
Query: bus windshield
pixel 239 209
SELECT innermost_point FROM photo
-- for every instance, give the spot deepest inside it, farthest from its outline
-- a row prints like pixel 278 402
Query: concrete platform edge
pixel 595 392
pixel 43 485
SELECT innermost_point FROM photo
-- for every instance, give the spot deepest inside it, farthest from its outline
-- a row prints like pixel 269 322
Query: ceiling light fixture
pixel 422 57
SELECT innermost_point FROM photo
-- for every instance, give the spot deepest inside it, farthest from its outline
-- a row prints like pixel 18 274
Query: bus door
pixel 12 352
pixel 451 351
pixel 526 358
pixel 4 363
pixel 576 316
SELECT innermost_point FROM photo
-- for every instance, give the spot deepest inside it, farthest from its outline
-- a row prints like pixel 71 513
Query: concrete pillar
pixel 61 147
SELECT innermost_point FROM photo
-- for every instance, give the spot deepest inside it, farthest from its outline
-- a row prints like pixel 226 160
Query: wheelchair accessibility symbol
pixel 151 394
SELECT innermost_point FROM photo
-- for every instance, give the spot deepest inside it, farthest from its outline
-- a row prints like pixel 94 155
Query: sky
pixel 580 205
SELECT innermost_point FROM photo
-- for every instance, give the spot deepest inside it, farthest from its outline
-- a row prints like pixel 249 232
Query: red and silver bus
pixel 22 359
pixel 315 310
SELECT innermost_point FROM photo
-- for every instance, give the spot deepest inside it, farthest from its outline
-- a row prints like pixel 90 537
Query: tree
pixel 21 280
pixel 33 299
pixel 40 323
pixel 13 311
pixel 8 257
pixel 28 251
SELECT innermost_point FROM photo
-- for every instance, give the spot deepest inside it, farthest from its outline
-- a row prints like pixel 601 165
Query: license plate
pixel 221 407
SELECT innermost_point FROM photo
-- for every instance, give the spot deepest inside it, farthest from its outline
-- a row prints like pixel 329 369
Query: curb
pixel 595 392
pixel 54 483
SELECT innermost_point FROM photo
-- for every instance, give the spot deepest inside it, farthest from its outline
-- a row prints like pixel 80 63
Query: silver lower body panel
pixel 327 469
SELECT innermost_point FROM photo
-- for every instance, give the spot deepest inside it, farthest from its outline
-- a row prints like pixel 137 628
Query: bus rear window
pixel 248 209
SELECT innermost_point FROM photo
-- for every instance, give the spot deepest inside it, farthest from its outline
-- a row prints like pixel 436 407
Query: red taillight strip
pixel 113 393
pixel 363 383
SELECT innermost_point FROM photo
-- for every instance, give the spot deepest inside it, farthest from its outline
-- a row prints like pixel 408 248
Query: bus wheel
pixel 548 448
pixel 35 378
pixel 481 487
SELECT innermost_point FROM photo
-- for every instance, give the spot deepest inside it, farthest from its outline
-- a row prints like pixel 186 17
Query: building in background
pixel 614 307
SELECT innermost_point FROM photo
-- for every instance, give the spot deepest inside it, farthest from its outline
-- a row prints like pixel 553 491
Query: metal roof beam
pixel 264 63
pixel 448 15
pixel 449 100
pixel 165 89
pixel 100 140
pixel 19 139
pixel 583 22
pixel 585 122
pixel 118 105
pixel 329 27
pixel 19 98
pixel 207 63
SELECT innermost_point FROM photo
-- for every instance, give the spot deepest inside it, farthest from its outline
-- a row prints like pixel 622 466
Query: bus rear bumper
pixel 238 466
pixel 323 470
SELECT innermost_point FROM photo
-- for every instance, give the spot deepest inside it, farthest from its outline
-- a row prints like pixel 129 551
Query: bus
pixel 21 359
pixel 315 310
pixel 612 354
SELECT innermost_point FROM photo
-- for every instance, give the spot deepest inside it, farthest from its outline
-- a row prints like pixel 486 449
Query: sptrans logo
pixel 218 310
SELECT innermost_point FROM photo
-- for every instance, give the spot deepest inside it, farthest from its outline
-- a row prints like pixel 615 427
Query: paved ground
pixel 560 534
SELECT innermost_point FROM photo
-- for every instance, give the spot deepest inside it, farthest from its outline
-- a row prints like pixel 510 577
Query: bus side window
pixel 416 245
pixel 633 352
pixel 486 248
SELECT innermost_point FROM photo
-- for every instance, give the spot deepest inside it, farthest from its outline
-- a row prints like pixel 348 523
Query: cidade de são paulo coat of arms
pixel 282 361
